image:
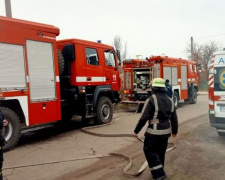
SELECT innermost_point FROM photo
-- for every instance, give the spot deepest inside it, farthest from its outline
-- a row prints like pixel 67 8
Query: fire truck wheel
pixel 60 62
pixel 193 99
pixel 12 132
pixel 175 99
pixel 104 110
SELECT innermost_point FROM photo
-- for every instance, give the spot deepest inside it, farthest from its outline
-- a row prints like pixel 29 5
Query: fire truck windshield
pixel 109 58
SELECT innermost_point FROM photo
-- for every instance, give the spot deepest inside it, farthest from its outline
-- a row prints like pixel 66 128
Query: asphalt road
pixel 67 153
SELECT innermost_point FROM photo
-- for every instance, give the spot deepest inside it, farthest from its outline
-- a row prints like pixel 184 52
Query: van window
pixel 92 56
pixel 109 58
pixel 219 79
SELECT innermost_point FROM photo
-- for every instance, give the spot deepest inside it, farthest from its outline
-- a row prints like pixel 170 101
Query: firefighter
pixel 159 111
pixel 3 122
pixel 169 89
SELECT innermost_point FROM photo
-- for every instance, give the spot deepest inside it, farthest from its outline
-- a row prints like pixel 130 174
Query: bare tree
pixel 118 45
pixel 208 50
pixel 117 42
pixel 124 51
pixel 202 54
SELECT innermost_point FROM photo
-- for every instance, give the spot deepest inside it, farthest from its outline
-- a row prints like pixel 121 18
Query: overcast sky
pixel 150 27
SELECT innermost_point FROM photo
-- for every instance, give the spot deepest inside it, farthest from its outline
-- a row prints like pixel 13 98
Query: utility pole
pixel 192 49
pixel 8 8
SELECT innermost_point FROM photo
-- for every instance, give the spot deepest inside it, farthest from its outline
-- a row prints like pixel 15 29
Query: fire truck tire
pixel 193 99
pixel 60 62
pixel 104 110
pixel 175 99
pixel 12 132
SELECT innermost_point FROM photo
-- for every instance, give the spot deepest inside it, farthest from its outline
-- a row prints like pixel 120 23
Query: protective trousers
pixel 155 149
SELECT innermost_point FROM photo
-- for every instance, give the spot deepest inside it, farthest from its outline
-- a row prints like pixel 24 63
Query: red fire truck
pixel 217 92
pixel 44 80
pixel 181 73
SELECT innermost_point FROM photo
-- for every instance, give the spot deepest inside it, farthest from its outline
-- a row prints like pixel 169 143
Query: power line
pixel 211 36
pixel 196 39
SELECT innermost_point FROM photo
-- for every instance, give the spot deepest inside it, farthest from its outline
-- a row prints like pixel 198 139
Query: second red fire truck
pixel 182 75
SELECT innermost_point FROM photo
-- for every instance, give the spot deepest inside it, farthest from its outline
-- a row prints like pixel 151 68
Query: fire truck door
pixel 170 73
pixel 127 80
pixel 183 77
pixel 94 70
pixel 12 69
pixel 42 82
pixel 167 73
pixel 156 71
pixel 111 71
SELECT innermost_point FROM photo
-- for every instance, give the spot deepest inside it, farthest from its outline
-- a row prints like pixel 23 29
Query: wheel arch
pixel 14 105
pixel 176 100
pixel 103 91
pixel 196 88
pixel 178 93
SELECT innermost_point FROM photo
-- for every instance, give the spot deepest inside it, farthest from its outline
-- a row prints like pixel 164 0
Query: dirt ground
pixel 199 152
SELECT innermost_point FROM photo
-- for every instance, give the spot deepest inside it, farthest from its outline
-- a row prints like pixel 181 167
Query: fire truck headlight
pixel 82 90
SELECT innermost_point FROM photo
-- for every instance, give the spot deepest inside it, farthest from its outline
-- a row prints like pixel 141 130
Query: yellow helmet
pixel 158 82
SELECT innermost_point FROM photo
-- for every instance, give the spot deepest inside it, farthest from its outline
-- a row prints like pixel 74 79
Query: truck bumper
pixel 216 122
pixel 133 102
pixel 218 126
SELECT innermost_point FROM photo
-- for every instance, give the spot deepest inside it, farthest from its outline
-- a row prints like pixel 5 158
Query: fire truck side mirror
pixel 199 67
pixel 68 52
pixel 118 56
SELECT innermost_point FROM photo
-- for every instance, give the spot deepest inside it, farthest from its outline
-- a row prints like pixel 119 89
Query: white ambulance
pixel 217 92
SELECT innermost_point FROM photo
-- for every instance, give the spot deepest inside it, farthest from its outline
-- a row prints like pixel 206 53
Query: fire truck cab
pixel 90 78
pixel 182 75
pixel 217 92
pixel 43 80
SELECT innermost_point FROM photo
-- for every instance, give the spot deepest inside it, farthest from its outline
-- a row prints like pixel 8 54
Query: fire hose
pixel 85 130
pixel 129 165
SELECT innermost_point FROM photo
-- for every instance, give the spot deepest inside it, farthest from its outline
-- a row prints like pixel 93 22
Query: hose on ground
pixel 85 130
pixel 129 165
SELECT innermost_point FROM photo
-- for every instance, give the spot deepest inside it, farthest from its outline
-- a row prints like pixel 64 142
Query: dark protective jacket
pixel 160 118
pixel 1 119
pixel 169 90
